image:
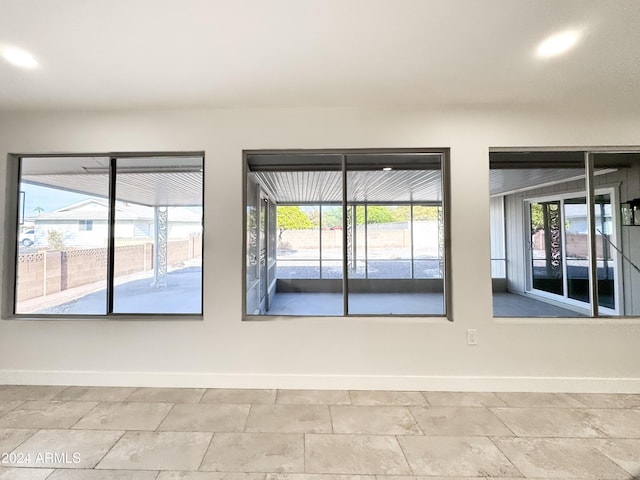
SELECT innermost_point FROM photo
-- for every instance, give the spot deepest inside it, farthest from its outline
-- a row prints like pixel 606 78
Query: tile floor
pixel 110 433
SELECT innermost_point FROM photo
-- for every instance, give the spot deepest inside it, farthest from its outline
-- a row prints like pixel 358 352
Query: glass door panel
pixel 298 252
pixel 605 253
pixel 546 247
pixel 576 239
pixel 428 241
pixel 331 240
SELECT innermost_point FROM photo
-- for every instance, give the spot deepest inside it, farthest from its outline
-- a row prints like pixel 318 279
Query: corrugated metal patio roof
pixel 151 181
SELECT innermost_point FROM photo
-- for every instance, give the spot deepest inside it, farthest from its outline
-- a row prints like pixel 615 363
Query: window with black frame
pixel 110 234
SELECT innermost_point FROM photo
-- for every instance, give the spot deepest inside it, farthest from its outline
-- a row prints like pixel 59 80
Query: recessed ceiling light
pixel 20 58
pixel 557 44
pixel 386 169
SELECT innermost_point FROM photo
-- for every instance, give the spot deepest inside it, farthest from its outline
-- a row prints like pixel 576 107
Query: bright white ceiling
pixel 114 54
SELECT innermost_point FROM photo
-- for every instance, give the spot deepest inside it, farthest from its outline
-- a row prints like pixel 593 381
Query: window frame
pixel 11 248
pixel 445 153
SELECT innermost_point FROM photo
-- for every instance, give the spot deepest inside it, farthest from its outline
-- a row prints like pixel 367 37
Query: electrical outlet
pixel 472 336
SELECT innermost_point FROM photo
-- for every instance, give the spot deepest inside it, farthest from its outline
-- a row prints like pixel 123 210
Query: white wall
pixel 386 353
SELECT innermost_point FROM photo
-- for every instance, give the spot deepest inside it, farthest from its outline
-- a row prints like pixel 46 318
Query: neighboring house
pixel 576 219
pixel 85 224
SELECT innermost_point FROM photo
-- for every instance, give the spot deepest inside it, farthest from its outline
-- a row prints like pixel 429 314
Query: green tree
pixel 291 217
pixel 537 217
pixel 331 217
pixel 420 213
pixel 375 214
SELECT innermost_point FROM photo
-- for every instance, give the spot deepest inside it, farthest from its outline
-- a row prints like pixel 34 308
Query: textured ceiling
pixel 128 54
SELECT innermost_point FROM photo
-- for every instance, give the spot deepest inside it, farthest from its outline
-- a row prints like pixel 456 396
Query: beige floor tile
pixel 67 448
pixel 459 421
pixel 318 476
pixel 103 475
pixel 167 395
pixel 463 399
pixel 546 422
pixel 624 452
pixel 205 417
pixel 29 392
pixel 46 414
pixel 8 405
pixel 429 477
pixel 24 473
pixel 443 435
pixel 381 397
pixel 354 454
pixel 377 420
pixel 606 400
pixel 289 419
pixel 10 438
pixel 157 451
pixel 559 458
pixel 255 452
pixel 461 456
pixel 616 423
pixel 210 476
pixel 125 416
pixel 313 397
pixel 96 394
pixel 241 396
pixel 539 400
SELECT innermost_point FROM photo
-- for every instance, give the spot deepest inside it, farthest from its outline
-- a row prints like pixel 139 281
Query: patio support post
pixel 160 246
pixel 345 250
pixel 411 232
pixel 366 241
pixel 320 239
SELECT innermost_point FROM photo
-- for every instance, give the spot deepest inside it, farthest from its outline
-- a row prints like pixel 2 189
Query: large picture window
pixel 107 235
pixel 346 233
pixel 561 245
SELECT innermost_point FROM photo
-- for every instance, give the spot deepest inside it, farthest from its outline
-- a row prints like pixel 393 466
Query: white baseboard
pixel 322 382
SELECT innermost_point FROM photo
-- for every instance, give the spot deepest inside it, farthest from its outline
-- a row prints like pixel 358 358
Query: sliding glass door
pixel 559 249
pixel 547 270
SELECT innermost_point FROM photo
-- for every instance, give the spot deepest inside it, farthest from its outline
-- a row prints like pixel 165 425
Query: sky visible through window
pixel 47 199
